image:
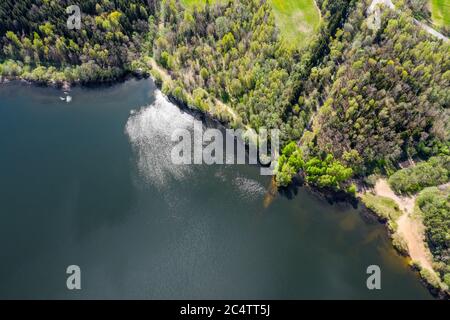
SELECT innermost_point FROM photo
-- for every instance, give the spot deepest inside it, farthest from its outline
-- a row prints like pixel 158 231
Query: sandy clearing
pixel 382 188
pixel 409 227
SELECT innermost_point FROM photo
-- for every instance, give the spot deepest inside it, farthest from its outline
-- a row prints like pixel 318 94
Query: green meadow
pixel 297 19
pixel 440 12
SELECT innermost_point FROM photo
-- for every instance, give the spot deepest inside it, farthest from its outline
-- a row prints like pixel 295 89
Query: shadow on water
pixel 329 195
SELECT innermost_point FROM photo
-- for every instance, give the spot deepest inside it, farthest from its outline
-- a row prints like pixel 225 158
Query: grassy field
pixel 440 11
pixel 384 207
pixel 297 19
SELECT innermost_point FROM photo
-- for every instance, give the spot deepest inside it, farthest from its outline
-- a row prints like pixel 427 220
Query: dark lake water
pixel 91 183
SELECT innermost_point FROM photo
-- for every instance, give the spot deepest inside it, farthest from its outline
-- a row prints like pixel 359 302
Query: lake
pixel 90 183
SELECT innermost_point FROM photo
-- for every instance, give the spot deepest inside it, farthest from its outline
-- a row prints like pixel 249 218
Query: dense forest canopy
pixel 434 206
pixel 382 96
pixel 35 34
pixel 365 99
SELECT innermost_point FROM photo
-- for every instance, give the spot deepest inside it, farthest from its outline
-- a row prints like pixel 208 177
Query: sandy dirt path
pixel 219 105
pixel 389 4
pixel 411 228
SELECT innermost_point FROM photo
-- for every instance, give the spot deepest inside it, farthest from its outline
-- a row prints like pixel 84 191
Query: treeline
pixel 323 171
pixel 429 173
pixel 231 52
pixel 434 205
pixel 37 44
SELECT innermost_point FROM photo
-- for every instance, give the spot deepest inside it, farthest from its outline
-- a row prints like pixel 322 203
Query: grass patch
pixel 440 12
pixel 384 207
pixel 298 20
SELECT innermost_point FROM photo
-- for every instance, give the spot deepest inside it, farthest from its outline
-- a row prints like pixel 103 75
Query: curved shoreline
pixel 329 195
pixel 410 231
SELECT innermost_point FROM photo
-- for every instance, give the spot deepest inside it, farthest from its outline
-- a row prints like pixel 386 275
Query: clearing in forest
pixel 297 20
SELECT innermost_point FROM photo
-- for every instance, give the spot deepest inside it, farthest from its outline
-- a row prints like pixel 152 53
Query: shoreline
pixel 407 236
pixel 333 196
pixel 327 194
pixel 66 85
pixel 435 292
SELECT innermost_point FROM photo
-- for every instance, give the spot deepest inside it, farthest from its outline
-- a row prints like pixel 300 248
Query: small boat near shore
pixel 67 98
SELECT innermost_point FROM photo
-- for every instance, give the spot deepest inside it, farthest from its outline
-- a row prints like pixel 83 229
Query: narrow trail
pixel 409 227
pixel 389 4
pixel 430 30
pixel 164 75
pixel 219 105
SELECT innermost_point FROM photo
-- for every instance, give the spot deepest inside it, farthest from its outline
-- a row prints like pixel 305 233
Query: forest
pixel 37 45
pixel 434 206
pixel 382 96
pixel 365 99
pixel 434 172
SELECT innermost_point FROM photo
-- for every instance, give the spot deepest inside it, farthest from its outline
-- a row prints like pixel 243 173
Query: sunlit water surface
pixel 91 183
